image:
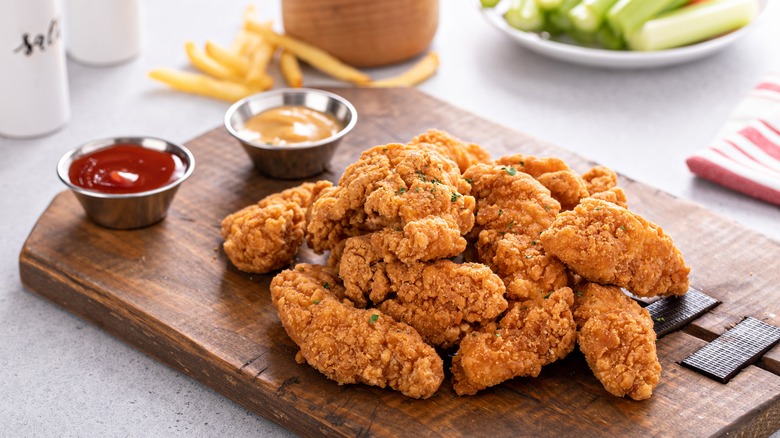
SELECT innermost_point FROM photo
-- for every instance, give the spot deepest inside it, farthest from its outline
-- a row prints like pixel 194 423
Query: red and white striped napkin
pixel 746 154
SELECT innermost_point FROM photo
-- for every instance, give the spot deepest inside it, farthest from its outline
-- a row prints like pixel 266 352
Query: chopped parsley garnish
pixel 469 180
pixel 455 196
pixel 498 334
pixel 579 293
pixel 623 227
pixel 596 209
pixel 326 285
pixel 416 190
pixel 373 319
pixel 510 170
pixel 316 301
pixel 528 256
pixel 548 295
pixel 659 319
pixel 500 212
pixel 511 224
pixel 400 191
pixel 522 163
pixel 547 207
pixel 422 176
pixel 533 242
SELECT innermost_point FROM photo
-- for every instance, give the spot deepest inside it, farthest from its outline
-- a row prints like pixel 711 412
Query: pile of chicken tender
pixel 434 249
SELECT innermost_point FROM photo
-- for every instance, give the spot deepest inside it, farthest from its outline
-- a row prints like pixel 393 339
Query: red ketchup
pixel 125 168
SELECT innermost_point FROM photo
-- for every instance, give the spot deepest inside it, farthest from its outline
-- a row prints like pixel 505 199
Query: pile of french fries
pixel 232 73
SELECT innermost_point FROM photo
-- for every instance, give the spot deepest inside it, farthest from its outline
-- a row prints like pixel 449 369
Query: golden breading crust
pixel 441 299
pixel 464 155
pixel 510 201
pixel 411 191
pixel 617 339
pixel 614 195
pixel 531 335
pixel 528 272
pixel 564 184
pixel 265 236
pixel 605 243
pixel 352 345
pixel 600 179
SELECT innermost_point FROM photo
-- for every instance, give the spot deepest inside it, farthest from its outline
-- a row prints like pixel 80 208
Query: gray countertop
pixel 61 376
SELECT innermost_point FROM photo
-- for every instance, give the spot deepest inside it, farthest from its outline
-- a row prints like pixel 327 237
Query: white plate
pixel 612 58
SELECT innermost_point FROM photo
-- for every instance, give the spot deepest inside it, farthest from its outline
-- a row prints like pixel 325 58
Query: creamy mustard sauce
pixel 289 125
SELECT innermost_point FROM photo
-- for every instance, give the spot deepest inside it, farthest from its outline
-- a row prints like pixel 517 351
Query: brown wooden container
pixel 364 33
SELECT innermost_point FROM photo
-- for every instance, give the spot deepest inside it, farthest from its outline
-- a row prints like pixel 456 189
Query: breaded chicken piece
pixel 352 345
pixel 417 195
pixel 605 243
pixel 528 272
pixel 600 179
pixel 510 201
pixel 441 299
pixel 266 236
pixel 614 195
pixel 601 182
pixel 463 154
pixel 616 337
pixel 565 185
pixel 531 335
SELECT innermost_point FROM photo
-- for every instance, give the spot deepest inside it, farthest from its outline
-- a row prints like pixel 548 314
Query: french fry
pixel 204 63
pixel 250 12
pixel 228 58
pixel 257 75
pixel 419 72
pixel 291 69
pixel 201 84
pixel 238 46
pixel 317 58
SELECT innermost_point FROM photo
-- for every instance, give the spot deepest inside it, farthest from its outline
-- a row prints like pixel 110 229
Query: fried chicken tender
pixel 411 192
pixel 441 299
pixel 601 182
pixel 600 179
pixel 528 272
pixel 266 236
pixel 531 335
pixel 605 243
pixel 465 155
pixel 352 345
pixel 510 201
pixel 615 195
pixel 565 185
pixel 616 337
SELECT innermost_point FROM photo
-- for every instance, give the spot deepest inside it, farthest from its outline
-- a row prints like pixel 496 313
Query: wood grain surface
pixel 169 291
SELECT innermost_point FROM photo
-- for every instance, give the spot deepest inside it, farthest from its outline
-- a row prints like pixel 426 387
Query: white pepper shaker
pixel 34 97
pixel 103 32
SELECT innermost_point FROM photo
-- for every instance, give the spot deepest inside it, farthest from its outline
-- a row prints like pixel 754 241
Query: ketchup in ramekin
pixel 125 168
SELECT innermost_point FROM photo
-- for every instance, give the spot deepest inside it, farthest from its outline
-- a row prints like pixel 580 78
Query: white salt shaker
pixel 103 32
pixel 34 96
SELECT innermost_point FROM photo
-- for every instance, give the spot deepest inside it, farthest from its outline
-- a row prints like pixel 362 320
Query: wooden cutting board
pixel 169 291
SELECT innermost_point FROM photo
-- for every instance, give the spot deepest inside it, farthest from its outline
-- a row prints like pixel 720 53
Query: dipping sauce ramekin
pixel 133 209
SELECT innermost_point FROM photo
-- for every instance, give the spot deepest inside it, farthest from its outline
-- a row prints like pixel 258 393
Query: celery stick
pixel 675 5
pixel 489 3
pixel 608 39
pixel 692 24
pixel 626 16
pixel 524 15
pixel 588 15
pixel 560 17
pixel 549 5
